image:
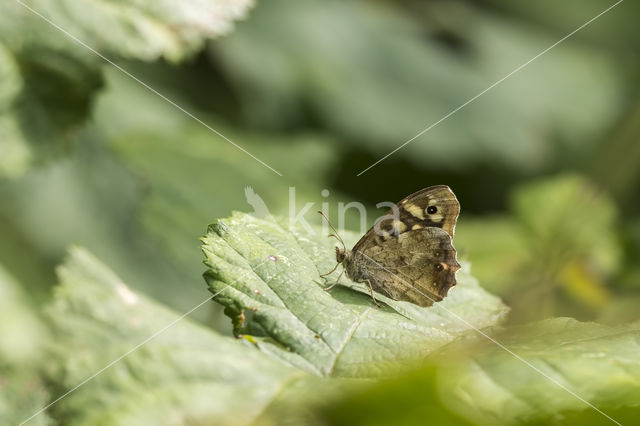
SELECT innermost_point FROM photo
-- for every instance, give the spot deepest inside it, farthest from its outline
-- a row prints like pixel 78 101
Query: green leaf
pixel 14 151
pixel 142 29
pixel 560 240
pixel 608 32
pixel 89 199
pixel 21 331
pixel 174 163
pixel 21 394
pixel 180 177
pixel 187 374
pixel 409 399
pixel 489 241
pixel 22 335
pixel 378 76
pixel 474 381
pixel 47 80
pixel 597 362
pixel 44 99
pixel 569 217
pixel 269 280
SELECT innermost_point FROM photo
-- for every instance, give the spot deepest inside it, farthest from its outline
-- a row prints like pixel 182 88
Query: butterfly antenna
pixel 335 233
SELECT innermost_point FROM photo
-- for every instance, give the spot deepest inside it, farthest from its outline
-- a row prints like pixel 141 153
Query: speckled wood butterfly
pixel 408 254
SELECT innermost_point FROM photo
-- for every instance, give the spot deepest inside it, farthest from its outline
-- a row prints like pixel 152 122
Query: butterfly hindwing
pixel 419 266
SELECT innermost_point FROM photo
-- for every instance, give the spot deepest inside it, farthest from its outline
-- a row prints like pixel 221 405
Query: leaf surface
pixel 598 363
pixel 186 374
pixel 22 337
pixel 48 80
pixel 270 283
pixel 141 29
pixel 475 381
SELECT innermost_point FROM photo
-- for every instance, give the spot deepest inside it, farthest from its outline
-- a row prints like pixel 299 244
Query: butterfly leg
pixel 371 290
pixel 335 283
pixel 327 273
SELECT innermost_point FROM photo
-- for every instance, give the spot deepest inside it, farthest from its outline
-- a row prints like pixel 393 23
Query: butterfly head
pixel 341 254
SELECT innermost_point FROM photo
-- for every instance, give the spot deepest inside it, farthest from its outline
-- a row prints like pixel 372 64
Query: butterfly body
pixel 408 255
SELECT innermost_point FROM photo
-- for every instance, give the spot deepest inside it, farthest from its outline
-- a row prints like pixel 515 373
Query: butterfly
pixel 408 254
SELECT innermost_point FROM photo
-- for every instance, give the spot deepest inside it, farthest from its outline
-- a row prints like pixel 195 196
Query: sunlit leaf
pixel 186 374
pixel 141 29
pixel 48 80
pixel 269 278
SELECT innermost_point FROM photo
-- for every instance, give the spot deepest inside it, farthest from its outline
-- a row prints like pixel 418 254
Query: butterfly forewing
pixel 435 206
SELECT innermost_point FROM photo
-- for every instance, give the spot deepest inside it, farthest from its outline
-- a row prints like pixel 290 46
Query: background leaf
pixel 138 29
pixel 368 73
pixel 558 246
pixel 44 98
pixel 21 394
pixel 21 390
pixel 48 80
pixel 595 361
pixel 473 380
pixel 18 345
pixel 186 375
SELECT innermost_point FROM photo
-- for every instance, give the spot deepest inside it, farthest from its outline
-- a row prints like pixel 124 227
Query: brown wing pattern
pixel 435 206
pixel 418 266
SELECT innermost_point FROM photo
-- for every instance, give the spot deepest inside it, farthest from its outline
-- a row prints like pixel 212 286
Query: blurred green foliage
pixel 558 245
pixel 22 335
pixel 369 75
pixel 188 375
pixel 545 165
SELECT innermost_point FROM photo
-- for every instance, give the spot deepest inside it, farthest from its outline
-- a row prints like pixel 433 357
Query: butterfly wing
pixel 435 206
pixel 432 207
pixel 418 266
